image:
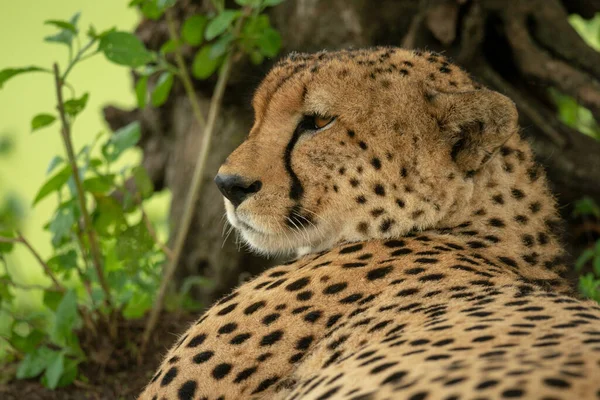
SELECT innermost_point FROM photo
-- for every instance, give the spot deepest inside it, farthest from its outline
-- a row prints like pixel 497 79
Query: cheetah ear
pixel 475 123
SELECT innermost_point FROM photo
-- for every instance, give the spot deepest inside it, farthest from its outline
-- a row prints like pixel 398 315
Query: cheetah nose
pixel 236 188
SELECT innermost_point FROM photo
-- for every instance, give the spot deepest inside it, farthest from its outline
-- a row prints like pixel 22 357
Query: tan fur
pixel 432 266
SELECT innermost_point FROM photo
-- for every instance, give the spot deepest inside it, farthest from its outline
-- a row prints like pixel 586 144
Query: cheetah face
pixel 353 145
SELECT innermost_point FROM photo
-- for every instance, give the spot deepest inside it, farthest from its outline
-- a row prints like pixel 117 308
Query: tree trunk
pixel 518 47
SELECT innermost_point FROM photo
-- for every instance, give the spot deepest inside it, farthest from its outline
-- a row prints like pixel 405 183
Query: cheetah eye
pixel 315 122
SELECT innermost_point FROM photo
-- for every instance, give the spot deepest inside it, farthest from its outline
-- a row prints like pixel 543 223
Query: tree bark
pixel 518 47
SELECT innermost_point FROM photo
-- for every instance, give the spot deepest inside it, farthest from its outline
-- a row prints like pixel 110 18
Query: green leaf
pixel 53 184
pixel 125 48
pixel 27 344
pixel 61 263
pixel 596 265
pixel 272 3
pixel 583 258
pixel 6 247
pixel 163 4
pixel 193 29
pixel 61 224
pixel 61 24
pixel 151 10
pixel 168 47
pixel 143 182
pixel 220 23
pixel 99 184
pixel 220 46
pixel 54 370
pixel 203 66
pixel 8 73
pixel 133 243
pixel 65 36
pixel 66 320
pixel 256 58
pixel 75 106
pixel 52 299
pixel 35 363
pixel 269 42
pixel 107 214
pixel 121 140
pixel 55 162
pixel 162 89
pixel 586 206
pixel 41 121
pixel 69 372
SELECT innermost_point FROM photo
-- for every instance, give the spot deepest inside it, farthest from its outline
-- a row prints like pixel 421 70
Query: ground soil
pixel 113 372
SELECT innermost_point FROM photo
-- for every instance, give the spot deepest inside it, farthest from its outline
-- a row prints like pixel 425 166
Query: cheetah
pixel 428 257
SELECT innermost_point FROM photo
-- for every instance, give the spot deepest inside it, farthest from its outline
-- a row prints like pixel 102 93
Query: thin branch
pixel 193 193
pixel 87 222
pixel 21 239
pixel 183 72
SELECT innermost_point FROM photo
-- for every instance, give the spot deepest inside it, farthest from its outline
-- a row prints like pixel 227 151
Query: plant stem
pixel 77 59
pixel 192 195
pixel 183 72
pixel 87 222
pixel 21 239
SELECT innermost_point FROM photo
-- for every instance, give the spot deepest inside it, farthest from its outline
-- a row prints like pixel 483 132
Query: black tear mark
pixel 296 188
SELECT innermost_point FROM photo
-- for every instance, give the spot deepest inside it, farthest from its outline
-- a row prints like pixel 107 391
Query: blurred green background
pixel 23 169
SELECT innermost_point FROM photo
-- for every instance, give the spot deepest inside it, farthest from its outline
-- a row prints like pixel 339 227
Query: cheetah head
pixel 357 145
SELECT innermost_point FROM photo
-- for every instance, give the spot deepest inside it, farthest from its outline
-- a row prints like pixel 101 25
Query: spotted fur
pixel 431 266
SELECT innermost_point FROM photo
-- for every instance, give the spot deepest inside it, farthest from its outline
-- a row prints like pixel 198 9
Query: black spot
pixel 350 133
pixel 351 299
pixel 197 340
pixel 535 207
pixel 496 222
pixel 379 190
pixel 379 273
pixel 354 182
pixel 377 212
pixel 403 172
pixel 298 284
pixel 304 343
pixel 386 224
pixel 498 199
pixel 271 338
pixel 400 203
pixel 264 385
pixel 351 249
pixel 169 376
pixel 361 200
pixel 187 390
pixel 228 328
pixel 245 374
pixel 251 309
pixel 241 338
pixel 363 145
pixel 513 393
pixel 227 310
pixel 221 371
pixel 304 296
pixel 517 194
pixel 335 288
pixel 269 319
pixel 332 320
pixel 203 357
